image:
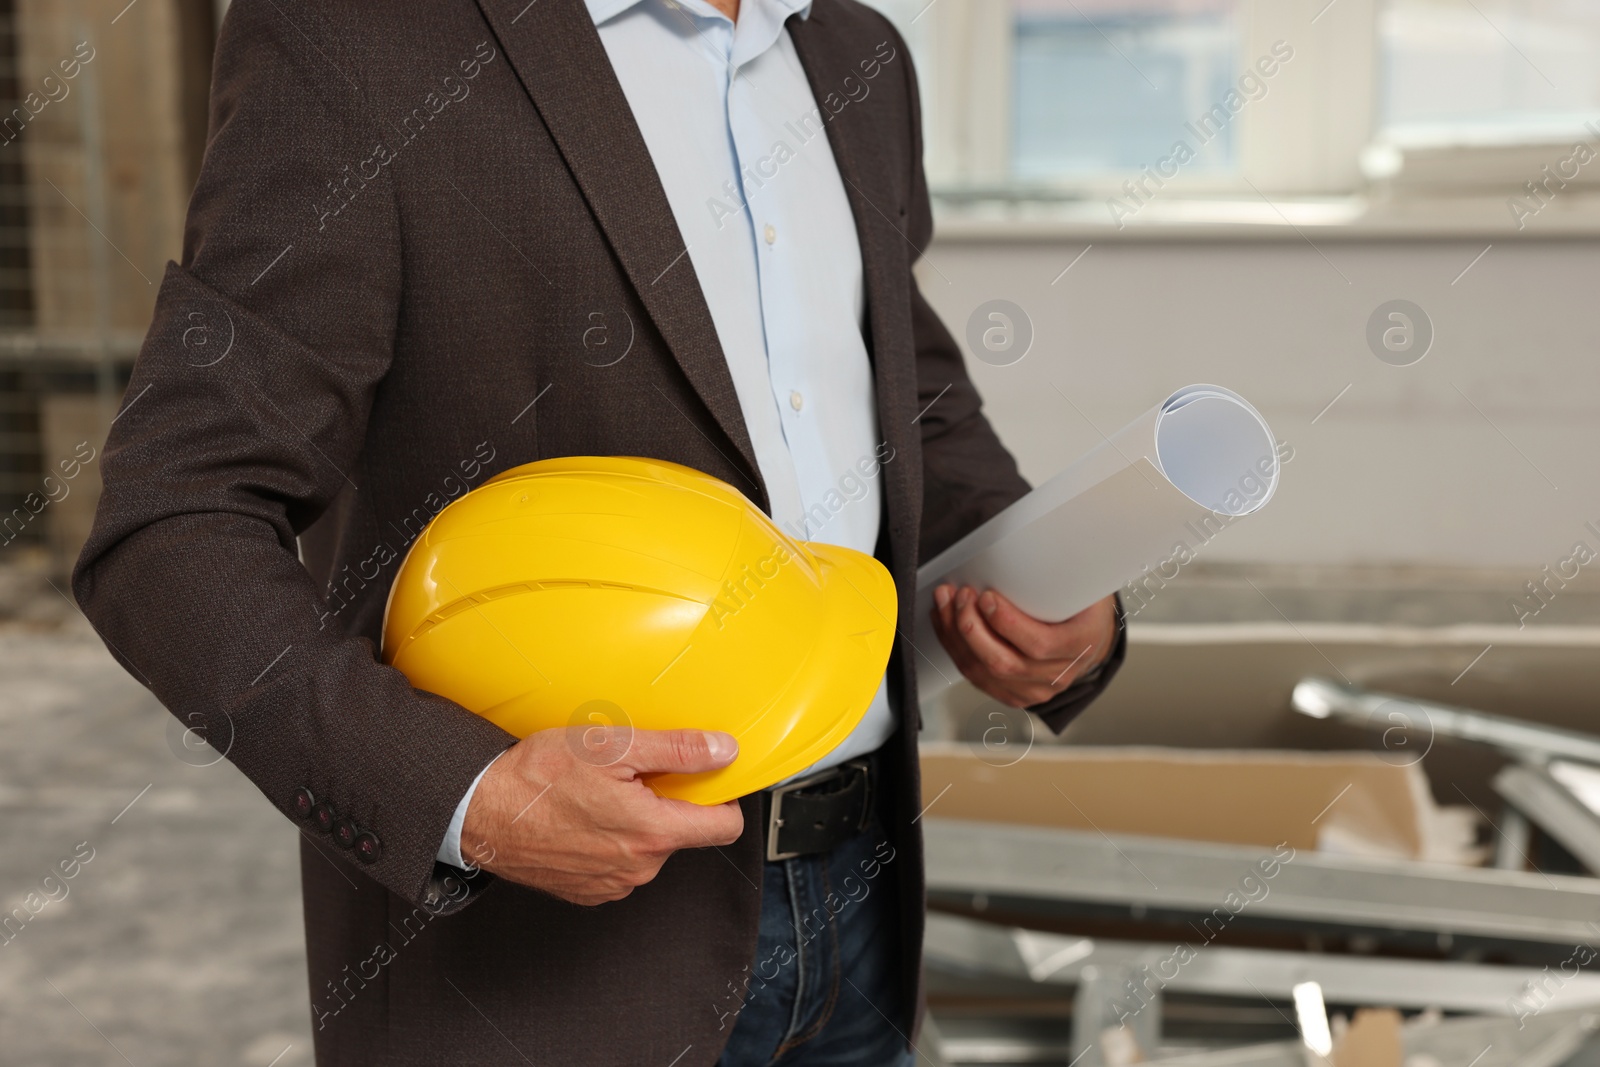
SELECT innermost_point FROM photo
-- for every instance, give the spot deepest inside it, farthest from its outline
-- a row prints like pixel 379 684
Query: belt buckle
pixel 777 793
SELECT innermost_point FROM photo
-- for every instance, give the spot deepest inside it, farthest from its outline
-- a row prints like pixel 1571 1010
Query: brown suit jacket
pixel 412 217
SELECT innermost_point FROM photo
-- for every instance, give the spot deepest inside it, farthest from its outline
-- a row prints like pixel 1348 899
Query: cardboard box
pixel 1346 802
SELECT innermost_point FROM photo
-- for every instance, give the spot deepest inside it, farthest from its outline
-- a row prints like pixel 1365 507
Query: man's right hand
pixel 565 811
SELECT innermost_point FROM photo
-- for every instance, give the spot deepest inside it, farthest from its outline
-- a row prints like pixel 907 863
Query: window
pixel 1073 98
pixel 1103 87
pixel 1529 68
pixel 1489 98
pixel 1382 103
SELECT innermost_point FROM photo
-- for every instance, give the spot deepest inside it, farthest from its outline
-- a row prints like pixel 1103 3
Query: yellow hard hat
pixel 620 591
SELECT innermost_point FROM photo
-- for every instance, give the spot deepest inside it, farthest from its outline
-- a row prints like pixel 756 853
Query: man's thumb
pixel 680 751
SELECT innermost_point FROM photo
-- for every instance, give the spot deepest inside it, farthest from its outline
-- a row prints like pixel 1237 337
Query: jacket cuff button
pixel 302 804
pixel 344 833
pixel 368 848
pixel 322 816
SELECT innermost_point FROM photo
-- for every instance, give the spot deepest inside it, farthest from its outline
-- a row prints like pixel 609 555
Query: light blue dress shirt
pixel 740 146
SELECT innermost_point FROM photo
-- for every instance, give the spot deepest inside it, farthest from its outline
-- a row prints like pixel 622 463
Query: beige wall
pixel 1403 469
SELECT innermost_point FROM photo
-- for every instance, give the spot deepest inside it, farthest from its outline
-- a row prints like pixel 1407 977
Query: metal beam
pixel 1546 1040
pixel 973 947
pixel 1539 796
pixel 1044 866
pixel 1513 841
pixel 1522 740
pixel 87 349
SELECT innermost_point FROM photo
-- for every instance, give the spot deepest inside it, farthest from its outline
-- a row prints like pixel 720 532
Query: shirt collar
pixel 765 11
pixel 601 10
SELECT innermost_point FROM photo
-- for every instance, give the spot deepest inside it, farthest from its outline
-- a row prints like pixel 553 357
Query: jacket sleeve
pixel 967 475
pixel 243 423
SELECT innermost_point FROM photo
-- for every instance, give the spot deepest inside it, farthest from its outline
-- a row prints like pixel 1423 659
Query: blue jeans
pixel 824 989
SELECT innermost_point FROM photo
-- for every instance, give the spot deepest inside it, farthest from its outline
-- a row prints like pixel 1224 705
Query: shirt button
pixel 771 234
pixel 796 401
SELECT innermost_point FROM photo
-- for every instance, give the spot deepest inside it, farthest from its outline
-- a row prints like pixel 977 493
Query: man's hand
pixel 1014 657
pixel 566 811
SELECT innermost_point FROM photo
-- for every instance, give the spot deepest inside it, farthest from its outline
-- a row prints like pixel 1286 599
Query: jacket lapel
pixel 556 52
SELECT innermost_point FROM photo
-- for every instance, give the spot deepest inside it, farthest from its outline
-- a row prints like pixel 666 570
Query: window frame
pixel 1305 150
pixel 966 47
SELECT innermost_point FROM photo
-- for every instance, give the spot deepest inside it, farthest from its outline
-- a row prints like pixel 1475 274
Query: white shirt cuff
pixel 450 851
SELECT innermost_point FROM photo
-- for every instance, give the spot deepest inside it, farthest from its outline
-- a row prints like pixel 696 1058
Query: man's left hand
pixel 1014 657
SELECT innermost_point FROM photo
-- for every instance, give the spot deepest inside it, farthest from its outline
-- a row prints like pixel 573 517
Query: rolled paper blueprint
pixel 1131 512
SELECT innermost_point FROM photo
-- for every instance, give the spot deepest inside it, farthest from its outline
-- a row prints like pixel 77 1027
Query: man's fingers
pixel 960 648
pixel 993 651
pixel 944 620
pixel 699 826
pixel 989 658
pixel 1034 639
pixel 679 751
pixel 1053 647
pixel 594 900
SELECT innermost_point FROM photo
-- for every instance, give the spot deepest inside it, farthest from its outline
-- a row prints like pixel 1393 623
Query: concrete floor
pixel 179 942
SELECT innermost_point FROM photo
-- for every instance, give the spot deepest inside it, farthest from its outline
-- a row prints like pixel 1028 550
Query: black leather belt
pixel 819 812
